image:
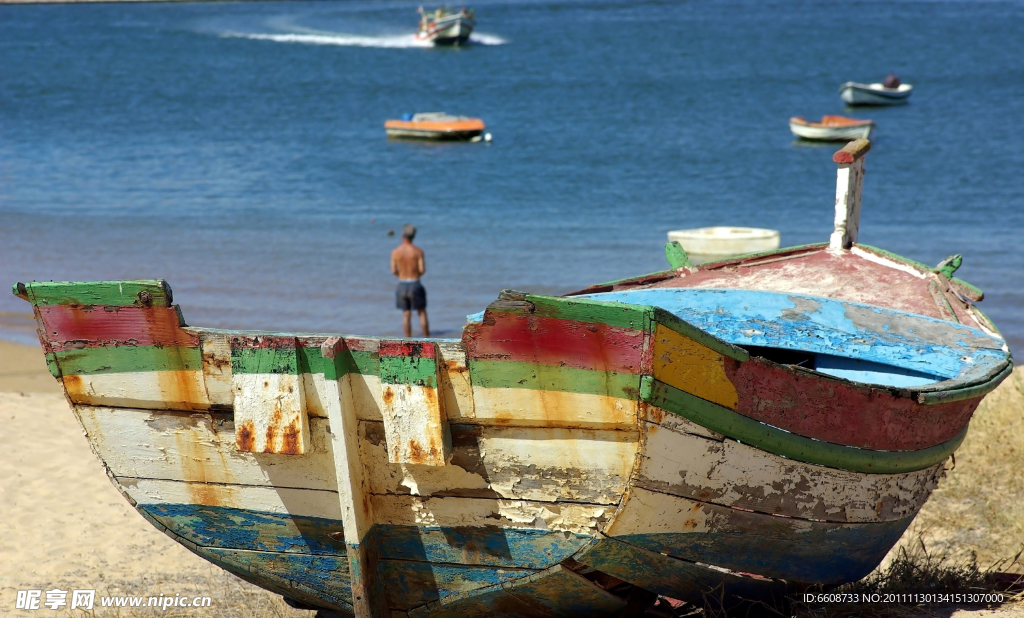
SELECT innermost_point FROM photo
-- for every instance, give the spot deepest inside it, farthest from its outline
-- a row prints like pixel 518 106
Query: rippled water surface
pixel 237 151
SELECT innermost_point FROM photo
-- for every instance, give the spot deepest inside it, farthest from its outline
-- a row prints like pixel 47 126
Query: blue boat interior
pixel 853 341
pixel 857 342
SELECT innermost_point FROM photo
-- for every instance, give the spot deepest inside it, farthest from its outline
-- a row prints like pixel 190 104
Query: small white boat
pixel 831 128
pixel 874 94
pixel 446 27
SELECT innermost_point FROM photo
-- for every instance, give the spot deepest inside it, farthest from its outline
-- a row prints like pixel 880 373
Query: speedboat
pixel 874 94
pixel 831 128
pixel 445 27
pixel 435 126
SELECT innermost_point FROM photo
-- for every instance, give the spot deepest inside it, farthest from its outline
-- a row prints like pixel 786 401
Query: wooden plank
pixel 842 412
pixel 971 395
pixel 574 309
pixel 270 407
pixel 299 502
pixel 230 528
pixel 482 546
pixel 113 293
pixel 179 446
pixel 532 339
pixel 685 364
pixel 540 464
pixel 731 474
pixel 318 580
pixel 528 407
pixel 128 359
pixel 775 547
pixel 368 597
pixel 415 424
pixel 156 390
pixel 412 584
pixel 790 445
pixel 76 327
pixel 555 592
pixel 216 350
pixel 456 512
pixel 455 381
pixel 675 578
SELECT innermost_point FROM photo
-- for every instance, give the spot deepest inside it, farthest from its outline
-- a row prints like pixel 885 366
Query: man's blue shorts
pixel 410 295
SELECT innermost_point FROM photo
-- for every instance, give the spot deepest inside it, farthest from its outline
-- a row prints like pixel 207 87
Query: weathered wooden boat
pixel 831 128
pixel 446 27
pixel 853 93
pixel 435 126
pixel 736 430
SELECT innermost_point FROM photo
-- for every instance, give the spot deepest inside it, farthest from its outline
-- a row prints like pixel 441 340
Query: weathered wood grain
pixel 790 445
pixel 473 545
pixel 555 592
pixel 283 501
pixel 154 390
pixel 269 400
pixel 415 424
pixel 731 474
pixel 78 327
pixel 538 407
pixel 412 584
pixel 691 367
pixel 537 463
pixel 112 293
pixel 179 446
pixel 229 528
pixel 456 512
pixel 322 581
pixel 673 577
pixel 776 547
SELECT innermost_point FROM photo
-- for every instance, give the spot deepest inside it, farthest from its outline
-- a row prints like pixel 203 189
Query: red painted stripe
pixel 407 348
pixel 829 410
pixel 551 341
pixel 70 326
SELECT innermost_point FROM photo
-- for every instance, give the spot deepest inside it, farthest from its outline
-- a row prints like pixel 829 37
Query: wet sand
pixel 64 525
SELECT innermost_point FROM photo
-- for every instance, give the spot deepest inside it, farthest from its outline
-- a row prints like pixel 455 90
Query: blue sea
pixel 237 149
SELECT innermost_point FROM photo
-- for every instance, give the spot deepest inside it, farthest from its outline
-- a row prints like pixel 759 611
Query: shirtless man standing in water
pixel 408 265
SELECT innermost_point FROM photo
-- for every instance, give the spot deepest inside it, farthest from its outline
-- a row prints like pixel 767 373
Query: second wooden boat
pixel 831 128
pixel 736 430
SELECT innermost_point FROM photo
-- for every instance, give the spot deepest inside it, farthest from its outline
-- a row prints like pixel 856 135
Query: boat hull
pixel 451 31
pixel 874 94
pixel 831 134
pixel 563 452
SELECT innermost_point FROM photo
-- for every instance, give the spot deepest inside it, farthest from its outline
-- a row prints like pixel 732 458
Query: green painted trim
pixel 592 311
pixel 109 293
pixel 789 445
pixel 349 361
pixel 408 370
pixel 310 360
pixel 128 359
pixel 991 324
pixel 948 266
pixel 704 338
pixel 676 255
pixel 511 374
pixel 51 364
pixel 978 390
pixel 265 360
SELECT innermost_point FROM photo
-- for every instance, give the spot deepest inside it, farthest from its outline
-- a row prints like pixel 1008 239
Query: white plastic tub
pixel 724 241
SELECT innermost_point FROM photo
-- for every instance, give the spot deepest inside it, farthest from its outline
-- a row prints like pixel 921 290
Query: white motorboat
pixel 831 128
pixel 874 94
pixel 446 27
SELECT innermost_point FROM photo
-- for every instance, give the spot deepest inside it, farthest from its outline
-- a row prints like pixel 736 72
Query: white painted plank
pixel 301 502
pixel 525 407
pixel 728 473
pixel 270 413
pixel 199 447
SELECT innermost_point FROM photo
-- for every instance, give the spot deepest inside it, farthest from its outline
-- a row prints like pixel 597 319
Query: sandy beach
pixel 65 525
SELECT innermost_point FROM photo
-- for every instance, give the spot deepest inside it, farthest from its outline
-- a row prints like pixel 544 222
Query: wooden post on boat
pixel 849 181
pixel 356 510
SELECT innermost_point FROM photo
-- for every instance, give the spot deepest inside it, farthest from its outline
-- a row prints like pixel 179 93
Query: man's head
pixel 409 232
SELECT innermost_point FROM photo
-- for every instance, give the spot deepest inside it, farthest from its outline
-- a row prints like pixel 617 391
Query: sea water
pixel 237 149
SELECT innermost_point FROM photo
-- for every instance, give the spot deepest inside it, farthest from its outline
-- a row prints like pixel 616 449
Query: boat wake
pixel 388 41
